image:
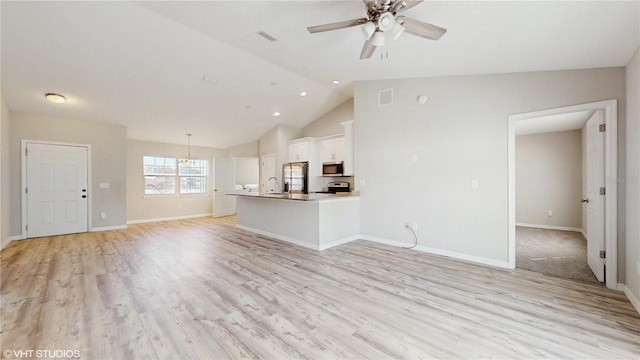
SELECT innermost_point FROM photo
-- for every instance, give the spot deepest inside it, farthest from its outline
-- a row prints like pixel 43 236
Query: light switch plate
pixel 104 185
pixel 474 184
pixel 363 182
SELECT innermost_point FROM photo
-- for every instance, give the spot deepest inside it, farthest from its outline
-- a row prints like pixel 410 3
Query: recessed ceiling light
pixel 55 98
pixel 303 93
pixel 275 113
pixel 335 82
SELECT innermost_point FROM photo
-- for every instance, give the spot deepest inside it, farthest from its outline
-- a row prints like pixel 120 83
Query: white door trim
pixel 610 108
pixel 23 180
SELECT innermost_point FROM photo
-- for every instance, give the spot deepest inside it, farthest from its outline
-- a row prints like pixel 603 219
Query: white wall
pixel 460 134
pixel 247 171
pixel 549 177
pixel 141 207
pixel 632 275
pixel 5 176
pixel 329 123
pixel 248 150
pixel 274 141
pixel 108 162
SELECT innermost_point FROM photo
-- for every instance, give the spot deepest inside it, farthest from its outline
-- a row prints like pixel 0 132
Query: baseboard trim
pixel 632 298
pixel 550 227
pixel 140 221
pixel 279 237
pixel 107 228
pixel 8 240
pixel 447 253
pixel 338 242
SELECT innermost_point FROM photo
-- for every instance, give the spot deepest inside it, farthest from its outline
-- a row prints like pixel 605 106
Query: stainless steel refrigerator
pixel 295 177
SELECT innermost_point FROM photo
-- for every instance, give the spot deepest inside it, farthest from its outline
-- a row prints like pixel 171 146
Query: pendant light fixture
pixel 187 161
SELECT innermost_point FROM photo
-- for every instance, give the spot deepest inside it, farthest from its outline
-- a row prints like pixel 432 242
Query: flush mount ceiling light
pixel 275 113
pixel 335 82
pixel 55 98
pixel 303 93
pixel 187 161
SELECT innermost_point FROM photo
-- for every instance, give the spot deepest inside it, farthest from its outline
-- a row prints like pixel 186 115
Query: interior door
pixel 57 192
pixel 268 171
pixel 225 183
pixel 593 200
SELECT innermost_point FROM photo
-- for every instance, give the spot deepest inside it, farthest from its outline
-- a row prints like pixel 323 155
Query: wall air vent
pixel 385 97
pixel 267 36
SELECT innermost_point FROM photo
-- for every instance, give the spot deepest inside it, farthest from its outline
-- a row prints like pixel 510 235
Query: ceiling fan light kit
pixel 383 18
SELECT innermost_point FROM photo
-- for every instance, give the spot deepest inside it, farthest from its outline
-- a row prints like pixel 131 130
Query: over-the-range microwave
pixel 332 168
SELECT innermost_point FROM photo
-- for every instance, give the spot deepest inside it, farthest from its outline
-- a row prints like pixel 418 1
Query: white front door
pixel 225 183
pixel 57 189
pixel 595 206
pixel 269 171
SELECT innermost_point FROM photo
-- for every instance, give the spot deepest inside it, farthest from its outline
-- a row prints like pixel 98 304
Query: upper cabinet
pixel 332 149
pixel 301 149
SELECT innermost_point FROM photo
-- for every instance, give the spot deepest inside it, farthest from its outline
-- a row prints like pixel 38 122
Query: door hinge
pixel 602 127
pixel 26 151
pixel 26 227
pixel 26 190
pixel 603 254
pixel 603 191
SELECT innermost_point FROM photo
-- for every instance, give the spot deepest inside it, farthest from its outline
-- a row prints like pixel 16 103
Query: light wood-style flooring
pixel 201 289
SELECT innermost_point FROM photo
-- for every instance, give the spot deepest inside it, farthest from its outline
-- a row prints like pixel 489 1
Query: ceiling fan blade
pixel 422 29
pixel 337 25
pixel 410 4
pixel 367 49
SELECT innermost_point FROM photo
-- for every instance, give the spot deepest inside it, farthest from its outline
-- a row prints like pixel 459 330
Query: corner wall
pixel 108 162
pixel 458 135
pixel 142 208
pixel 5 175
pixel 549 177
pixel 632 271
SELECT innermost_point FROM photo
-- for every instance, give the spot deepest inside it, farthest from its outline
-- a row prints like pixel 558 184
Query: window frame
pixel 176 176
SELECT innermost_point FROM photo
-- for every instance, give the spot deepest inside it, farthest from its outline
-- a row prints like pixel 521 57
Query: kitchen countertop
pixel 298 197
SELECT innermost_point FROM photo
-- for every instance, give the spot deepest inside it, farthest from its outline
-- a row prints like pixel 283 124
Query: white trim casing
pixel 610 108
pixel 551 227
pixel 632 298
pixel 141 221
pixel 447 253
pixel 107 228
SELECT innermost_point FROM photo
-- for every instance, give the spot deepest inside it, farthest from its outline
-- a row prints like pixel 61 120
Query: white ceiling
pixel 164 69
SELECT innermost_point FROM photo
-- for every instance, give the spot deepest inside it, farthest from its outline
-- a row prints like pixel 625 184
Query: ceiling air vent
pixel 267 36
pixel 385 97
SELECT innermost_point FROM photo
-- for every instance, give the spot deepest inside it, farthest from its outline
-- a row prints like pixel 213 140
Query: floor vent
pixel 385 97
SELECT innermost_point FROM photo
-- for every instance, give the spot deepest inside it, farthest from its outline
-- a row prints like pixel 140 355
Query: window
pixel 161 174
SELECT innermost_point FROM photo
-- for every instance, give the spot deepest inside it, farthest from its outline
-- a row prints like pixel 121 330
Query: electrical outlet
pixel 412 226
pixel 103 215
pixel 549 213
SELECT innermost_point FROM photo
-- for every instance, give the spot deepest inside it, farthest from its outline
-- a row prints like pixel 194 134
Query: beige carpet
pixel 555 253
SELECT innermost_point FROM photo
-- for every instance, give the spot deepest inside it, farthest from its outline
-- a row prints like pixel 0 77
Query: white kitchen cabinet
pixel 300 149
pixel 332 149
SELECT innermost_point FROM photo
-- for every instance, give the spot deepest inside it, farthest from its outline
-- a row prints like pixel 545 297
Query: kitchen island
pixel 315 221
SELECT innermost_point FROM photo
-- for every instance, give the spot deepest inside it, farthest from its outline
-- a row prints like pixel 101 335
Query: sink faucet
pixel 274 178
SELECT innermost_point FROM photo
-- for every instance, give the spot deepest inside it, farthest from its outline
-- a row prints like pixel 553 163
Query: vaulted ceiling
pixel 164 68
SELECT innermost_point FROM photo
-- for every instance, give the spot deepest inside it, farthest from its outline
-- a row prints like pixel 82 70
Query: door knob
pixel 84 190
pixel 84 196
pixel 584 201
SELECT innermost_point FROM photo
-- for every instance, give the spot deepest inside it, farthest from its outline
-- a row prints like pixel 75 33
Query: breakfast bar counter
pixel 315 221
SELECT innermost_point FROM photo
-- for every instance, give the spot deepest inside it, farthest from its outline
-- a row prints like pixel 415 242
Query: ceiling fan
pixel 384 20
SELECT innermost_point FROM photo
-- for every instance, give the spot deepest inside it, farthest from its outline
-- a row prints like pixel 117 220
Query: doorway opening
pixel 600 240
